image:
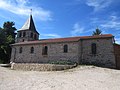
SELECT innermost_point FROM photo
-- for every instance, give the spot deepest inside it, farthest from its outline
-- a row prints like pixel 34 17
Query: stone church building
pixel 28 48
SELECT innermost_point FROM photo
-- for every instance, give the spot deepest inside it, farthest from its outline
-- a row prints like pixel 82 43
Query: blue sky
pixel 64 18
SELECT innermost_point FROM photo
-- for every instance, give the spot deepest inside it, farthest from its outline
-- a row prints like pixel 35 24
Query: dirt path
pixel 80 78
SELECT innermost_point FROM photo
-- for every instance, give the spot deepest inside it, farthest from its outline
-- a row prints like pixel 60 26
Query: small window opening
pixel 93 48
pixel 32 50
pixel 35 36
pixel 31 35
pixel 65 48
pixel 20 50
pixel 24 34
pixel 45 50
pixel 20 34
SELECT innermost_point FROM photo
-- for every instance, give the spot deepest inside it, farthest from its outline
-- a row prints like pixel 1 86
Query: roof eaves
pixel 15 44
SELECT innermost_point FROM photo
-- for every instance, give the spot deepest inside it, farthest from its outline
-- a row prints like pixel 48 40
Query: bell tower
pixel 28 31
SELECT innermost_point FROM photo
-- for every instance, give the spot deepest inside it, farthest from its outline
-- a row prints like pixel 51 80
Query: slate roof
pixel 68 39
pixel 29 25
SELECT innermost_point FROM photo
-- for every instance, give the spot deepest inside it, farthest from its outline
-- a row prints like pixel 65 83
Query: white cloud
pixel 109 25
pixel 53 35
pixel 110 22
pixel 74 2
pixel 117 40
pixel 22 7
pixel 77 29
pixel 113 22
pixel 98 4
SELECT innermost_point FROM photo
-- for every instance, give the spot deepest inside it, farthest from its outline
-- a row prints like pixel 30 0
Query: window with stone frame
pixel 94 48
pixel 32 50
pixel 65 48
pixel 45 50
pixel 20 50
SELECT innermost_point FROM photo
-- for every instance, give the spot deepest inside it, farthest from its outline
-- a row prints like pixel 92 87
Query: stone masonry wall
pixel 55 53
pixel 27 36
pixel 117 55
pixel 79 52
pixel 105 52
pixel 39 67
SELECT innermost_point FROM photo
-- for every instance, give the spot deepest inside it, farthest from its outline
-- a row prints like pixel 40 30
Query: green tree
pixel 7 37
pixel 97 32
pixel 2 36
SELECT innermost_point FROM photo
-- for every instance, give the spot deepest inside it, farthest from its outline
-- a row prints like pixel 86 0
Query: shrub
pixel 62 62
pixel 1 61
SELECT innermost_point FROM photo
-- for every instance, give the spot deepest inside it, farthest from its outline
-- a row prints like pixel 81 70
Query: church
pixel 28 48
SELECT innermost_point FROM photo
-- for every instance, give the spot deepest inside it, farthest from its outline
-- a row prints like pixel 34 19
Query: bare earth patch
pixel 80 78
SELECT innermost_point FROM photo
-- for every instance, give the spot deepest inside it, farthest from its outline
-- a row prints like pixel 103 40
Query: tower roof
pixel 29 25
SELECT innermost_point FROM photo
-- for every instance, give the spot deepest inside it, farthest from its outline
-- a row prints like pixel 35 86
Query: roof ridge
pixel 71 39
pixel 82 36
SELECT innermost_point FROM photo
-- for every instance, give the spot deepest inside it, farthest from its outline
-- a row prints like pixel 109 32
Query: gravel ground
pixel 79 78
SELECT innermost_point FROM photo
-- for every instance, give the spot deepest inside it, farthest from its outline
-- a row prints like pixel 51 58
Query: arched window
pixel 93 48
pixel 65 48
pixel 20 50
pixel 31 35
pixel 24 34
pixel 32 50
pixel 45 50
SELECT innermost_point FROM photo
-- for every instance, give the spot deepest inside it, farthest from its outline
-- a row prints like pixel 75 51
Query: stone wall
pixel 55 53
pixel 79 52
pixel 27 36
pixel 104 55
pixel 117 55
pixel 39 67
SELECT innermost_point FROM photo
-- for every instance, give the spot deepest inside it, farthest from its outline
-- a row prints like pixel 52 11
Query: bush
pixel 1 61
pixel 62 62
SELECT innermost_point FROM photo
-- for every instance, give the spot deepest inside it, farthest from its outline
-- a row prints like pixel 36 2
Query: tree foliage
pixel 7 37
pixel 97 32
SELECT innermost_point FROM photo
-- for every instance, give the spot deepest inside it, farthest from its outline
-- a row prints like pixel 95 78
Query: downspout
pixel 14 55
pixel 113 40
pixel 81 54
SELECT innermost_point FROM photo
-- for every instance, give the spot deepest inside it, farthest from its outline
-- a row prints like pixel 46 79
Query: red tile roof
pixel 68 39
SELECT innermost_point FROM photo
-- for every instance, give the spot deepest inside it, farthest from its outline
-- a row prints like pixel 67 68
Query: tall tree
pixel 7 37
pixel 97 32
pixel 9 30
pixel 2 36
